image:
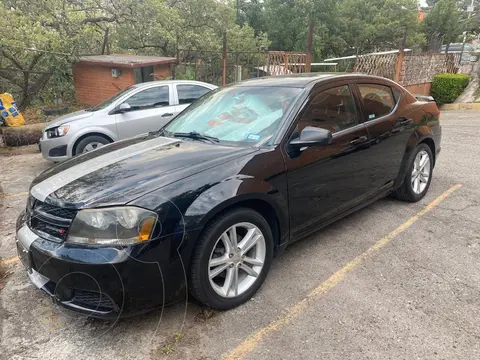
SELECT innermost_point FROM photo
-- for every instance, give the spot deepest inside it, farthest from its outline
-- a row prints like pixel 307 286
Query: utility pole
pixel 308 63
pixel 238 12
pixel 224 59
pixel 400 57
pixel 470 11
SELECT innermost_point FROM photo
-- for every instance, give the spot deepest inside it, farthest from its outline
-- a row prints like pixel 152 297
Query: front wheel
pixel 419 175
pixel 232 259
pixel 90 143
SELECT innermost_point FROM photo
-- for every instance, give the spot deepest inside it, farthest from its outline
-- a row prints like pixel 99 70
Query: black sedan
pixel 205 204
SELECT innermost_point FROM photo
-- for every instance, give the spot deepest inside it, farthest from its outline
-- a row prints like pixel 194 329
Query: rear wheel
pixel 90 143
pixel 419 175
pixel 232 259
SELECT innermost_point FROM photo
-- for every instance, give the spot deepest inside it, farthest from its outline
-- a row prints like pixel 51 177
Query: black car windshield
pixel 110 100
pixel 238 115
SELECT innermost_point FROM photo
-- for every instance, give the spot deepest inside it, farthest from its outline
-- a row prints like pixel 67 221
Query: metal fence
pixel 421 68
pixel 377 64
pixel 209 66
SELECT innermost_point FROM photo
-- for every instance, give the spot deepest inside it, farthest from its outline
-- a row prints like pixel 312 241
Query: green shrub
pixel 447 87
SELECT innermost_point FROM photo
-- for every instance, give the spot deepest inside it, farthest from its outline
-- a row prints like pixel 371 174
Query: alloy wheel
pixel 92 146
pixel 420 172
pixel 237 259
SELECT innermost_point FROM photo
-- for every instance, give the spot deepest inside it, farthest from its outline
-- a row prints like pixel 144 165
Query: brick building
pixel 98 77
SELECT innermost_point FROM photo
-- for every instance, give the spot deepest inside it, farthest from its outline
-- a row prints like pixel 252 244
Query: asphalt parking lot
pixel 393 281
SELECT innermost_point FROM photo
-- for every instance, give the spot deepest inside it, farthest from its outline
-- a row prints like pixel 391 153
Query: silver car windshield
pixel 237 115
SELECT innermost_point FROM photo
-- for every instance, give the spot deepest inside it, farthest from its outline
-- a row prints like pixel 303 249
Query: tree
pixel 252 12
pixel 287 26
pixel 41 38
pixel 377 25
pixel 442 23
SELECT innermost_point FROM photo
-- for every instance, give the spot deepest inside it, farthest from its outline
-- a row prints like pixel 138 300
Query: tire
pixel 209 248
pixel 409 190
pixel 90 140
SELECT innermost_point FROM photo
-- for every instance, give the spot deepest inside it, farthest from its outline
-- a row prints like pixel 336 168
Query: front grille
pixel 51 222
pixel 92 300
pixel 64 213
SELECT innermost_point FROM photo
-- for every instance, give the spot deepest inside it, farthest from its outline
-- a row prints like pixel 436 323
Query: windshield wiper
pixel 197 136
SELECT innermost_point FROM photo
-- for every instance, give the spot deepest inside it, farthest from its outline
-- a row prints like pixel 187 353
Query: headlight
pixel 112 226
pixel 57 131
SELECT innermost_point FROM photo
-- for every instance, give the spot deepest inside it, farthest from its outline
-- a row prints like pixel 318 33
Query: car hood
pixel 75 116
pixel 123 171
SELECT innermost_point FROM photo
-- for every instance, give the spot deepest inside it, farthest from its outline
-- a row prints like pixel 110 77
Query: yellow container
pixel 9 111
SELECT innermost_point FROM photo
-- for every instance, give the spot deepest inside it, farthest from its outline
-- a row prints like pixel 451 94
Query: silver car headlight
pixel 58 131
pixel 112 226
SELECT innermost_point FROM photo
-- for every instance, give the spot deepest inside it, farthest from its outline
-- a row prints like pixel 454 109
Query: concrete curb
pixel 460 106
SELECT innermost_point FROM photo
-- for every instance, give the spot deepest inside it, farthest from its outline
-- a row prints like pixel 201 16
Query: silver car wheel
pixel 420 172
pixel 237 260
pixel 92 146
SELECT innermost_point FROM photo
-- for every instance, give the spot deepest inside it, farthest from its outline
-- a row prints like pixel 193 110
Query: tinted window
pixel 377 100
pixel 153 97
pixel 332 109
pixel 189 93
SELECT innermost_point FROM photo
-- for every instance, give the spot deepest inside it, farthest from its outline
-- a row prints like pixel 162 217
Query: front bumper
pixel 102 282
pixel 55 149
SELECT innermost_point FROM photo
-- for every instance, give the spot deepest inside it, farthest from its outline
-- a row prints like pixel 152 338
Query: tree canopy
pixel 41 38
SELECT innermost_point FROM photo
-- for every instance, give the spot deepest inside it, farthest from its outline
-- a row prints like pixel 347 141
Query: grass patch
pixel 205 314
pixel 170 347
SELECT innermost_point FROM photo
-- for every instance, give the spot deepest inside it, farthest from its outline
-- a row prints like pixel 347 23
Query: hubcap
pixel 92 146
pixel 420 172
pixel 236 260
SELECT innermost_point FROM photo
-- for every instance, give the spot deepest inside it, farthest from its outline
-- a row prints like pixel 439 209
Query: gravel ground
pixel 415 297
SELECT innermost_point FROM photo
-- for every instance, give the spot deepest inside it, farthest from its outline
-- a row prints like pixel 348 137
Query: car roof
pixel 169 82
pixel 302 80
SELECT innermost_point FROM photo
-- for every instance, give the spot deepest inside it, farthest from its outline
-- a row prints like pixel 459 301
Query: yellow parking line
pixel 253 339
pixel 9 261
pixel 13 195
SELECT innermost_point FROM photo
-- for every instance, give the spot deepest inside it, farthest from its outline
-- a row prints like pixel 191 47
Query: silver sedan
pixel 138 109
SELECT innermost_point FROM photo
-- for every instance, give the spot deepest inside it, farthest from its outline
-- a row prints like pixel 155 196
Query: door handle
pixel 167 114
pixel 403 122
pixel 359 140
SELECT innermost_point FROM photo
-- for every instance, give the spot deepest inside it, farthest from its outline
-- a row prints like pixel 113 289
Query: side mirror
pixel 122 108
pixel 311 136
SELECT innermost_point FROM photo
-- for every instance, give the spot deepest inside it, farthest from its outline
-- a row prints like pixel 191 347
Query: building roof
pixel 121 60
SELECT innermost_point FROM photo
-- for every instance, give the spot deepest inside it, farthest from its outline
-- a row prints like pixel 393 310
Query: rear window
pixel 377 100
pixel 187 94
